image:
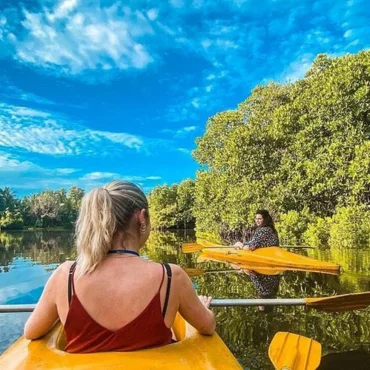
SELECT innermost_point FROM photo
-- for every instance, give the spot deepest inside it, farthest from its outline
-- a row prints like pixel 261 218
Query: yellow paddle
pixel 198 272
pixel 209 244
pixel 290 351
pixel 238 268
pixel 261 269
pixel 193 247
pixel 196 247
pixel 339 303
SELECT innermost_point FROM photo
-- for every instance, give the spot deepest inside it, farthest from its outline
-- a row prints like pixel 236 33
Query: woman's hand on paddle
pixel 206 301
pixel 238 245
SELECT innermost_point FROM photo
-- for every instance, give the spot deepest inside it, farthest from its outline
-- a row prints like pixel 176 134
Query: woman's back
pixel 117 300
pixel 129 314
pixel 121 286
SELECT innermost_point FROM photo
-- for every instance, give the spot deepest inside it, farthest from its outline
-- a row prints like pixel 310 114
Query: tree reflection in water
pixel 245 331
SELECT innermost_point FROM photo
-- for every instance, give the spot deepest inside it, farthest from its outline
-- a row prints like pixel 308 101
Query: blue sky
pixel 96 90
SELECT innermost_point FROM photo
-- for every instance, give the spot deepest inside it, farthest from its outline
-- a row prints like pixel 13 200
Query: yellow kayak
pixel 270 256
pixel 192 351
pixel 258 267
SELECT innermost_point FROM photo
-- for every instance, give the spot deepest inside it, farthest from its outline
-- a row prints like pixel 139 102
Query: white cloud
pixel 297 69
pixel 74 37
pixel 238 44
pixel 152 14
pixel 42 132
pixel 189 128
pixel 100 176
pixel 246 45
pixel 10 166
pixel 63 9
pixel 25 175
pixel 67 171
pixel 109 176
pixel 177 3
pixel 180 132
pixel 185 151
pixel 15 111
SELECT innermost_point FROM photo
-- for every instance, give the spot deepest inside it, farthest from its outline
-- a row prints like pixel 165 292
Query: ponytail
pixel 103 212
pixel 94 230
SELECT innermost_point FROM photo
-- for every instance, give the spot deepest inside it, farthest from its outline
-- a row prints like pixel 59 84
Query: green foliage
pixel 46 209
pixel 350 228
pixel 185 202
pixel 172 206
pixel 7 200
pixel 11 220
pixel 291 227
pixel 293 147
pixel 162 206
pixel 318 233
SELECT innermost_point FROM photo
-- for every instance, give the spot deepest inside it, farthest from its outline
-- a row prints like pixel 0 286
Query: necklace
pixel 123 251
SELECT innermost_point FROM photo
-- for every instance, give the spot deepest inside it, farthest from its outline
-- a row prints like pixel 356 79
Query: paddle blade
pixel 290 351
pixel 339 303
pixel 208 244
pixel 191 247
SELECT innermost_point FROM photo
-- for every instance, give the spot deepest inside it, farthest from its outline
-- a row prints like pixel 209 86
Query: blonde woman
pixel 110 299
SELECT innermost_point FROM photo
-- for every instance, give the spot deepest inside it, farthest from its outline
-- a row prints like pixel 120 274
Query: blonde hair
pixel 104 212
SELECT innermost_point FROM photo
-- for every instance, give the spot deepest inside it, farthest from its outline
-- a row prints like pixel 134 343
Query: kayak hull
pixel 192 351
pixel 262 268
pixel 271 257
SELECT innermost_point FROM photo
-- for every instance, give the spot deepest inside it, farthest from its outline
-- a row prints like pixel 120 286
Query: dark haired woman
pixel 265 234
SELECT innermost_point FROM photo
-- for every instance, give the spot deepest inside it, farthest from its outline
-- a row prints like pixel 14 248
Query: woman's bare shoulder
pixel 63 269
pixel 178 273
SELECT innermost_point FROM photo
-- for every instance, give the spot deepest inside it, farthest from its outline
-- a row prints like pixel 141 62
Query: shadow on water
pixel 28 258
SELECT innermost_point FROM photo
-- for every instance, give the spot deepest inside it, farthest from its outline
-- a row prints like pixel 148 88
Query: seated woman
pixel 265 234
pixel 110 299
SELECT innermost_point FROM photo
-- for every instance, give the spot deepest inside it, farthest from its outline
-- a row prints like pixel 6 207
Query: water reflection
pixel 267 286
pixel 27 259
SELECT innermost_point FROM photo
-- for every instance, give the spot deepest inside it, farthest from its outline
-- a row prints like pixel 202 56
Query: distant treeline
pixel 300 150
pixel 47 209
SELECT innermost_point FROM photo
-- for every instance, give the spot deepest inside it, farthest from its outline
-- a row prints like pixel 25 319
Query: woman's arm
pixel 45 314
pixel 192 308
pixel 256 242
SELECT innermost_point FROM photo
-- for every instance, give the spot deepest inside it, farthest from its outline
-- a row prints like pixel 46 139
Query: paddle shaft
pixel 257 302
pixel 11 308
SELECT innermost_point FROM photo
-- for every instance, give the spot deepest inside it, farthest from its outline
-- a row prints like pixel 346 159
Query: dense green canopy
pixel 299 147
pixel 172 206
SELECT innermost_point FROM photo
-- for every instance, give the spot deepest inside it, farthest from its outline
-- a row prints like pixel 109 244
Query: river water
pixel 28 258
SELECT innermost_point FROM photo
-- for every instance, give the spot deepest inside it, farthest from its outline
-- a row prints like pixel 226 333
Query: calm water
pixel 28 258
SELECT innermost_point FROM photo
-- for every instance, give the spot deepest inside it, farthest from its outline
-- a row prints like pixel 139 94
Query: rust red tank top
pixel 85 335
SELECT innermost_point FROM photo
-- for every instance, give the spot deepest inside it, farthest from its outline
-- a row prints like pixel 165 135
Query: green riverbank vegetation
pixel 300 150
pixel 48 209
